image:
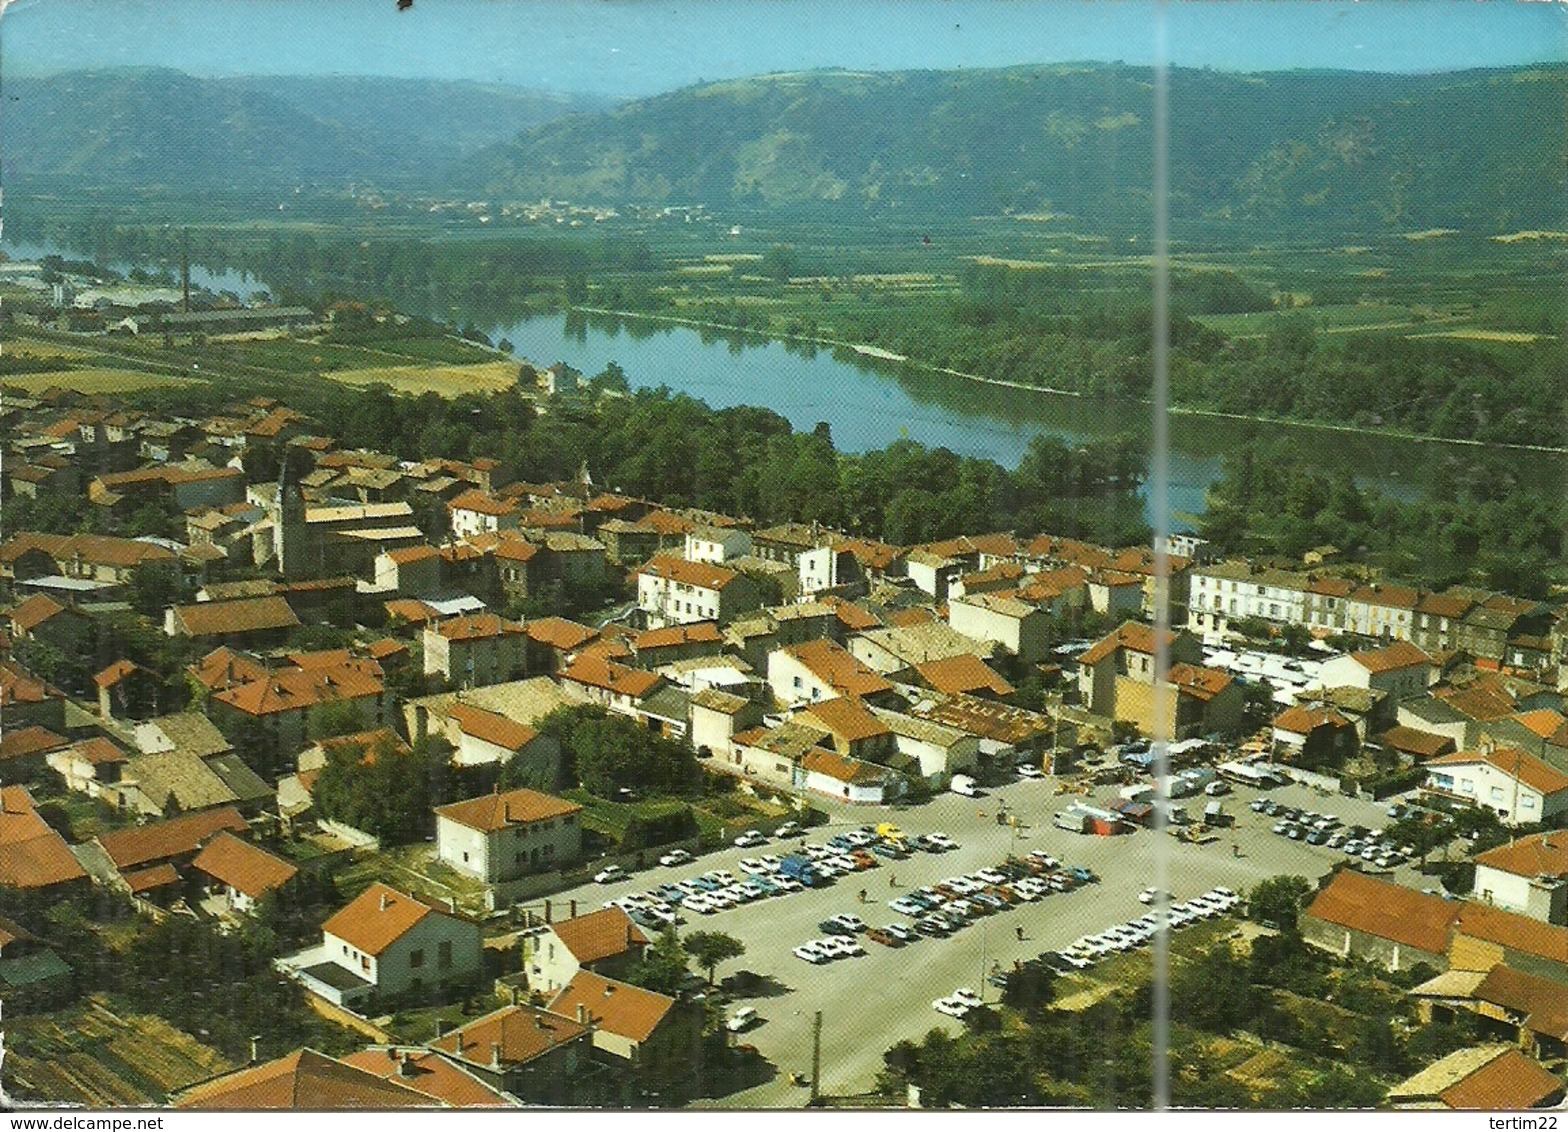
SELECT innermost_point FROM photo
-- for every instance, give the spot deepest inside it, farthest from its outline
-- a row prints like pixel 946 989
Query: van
pixel 1217 788
pixel 963 784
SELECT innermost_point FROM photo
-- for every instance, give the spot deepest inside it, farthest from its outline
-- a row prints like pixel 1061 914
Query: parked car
pixel 744 1018
pixel 812 953
pixel 676 857
pixel 905 906
pixel 951 1006
pixel 751 839
pixel 788 829
pixel 884 937
pixel 939 843
pixel 1029 770
pixel 850 921
pixel 902 932
pixel 609 875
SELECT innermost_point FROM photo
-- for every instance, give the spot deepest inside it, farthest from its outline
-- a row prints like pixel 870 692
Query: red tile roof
pixel 1509 1082
pixel 616 1008
pixel 833 665
pixel 1388 911
pixel 847 719
pixel 242 866
pixel 118 671
pixel 242 615
pixel 596 672
pixel 1300 720
pixel 1544 1002
pixel 701 574
pixel 32 854
pixel 29 741
pixel 1422 744
pixel 307 1081
pixel 558 632
pixel 964 672
pixel 1197 681
pixel 1400 654
pixel 376 919
pixel 523 1033
pixel 19 686
pixel 599 935
pixel 697 633
pixel 1513 931
pixel 1511 761
pixel 1134 636
pixel 164 840
pixel 296 689
pixel 492 727
pixel 427 1072
pixel 476 627
pixel 1544 854
pixel 35 611
pixel 225 667
pixel 841 768
pixel 490 812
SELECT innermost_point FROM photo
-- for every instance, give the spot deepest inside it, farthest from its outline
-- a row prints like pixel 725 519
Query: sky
pixel 640 47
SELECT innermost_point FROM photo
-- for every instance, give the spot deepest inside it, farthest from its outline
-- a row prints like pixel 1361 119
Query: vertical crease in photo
pixel 1160 521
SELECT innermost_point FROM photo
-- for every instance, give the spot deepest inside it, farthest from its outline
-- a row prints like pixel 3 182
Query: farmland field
pixel 96 380
pixel 448 381
pixel 34 348
pixel 90 1055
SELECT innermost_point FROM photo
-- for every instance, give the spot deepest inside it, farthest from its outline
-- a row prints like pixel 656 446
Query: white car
pixel 951 1007
pixel 676 857
pixel 1029 770
pixel 788 884
pixel 752 866
pixel 609 874
pixel 743 1017
pixel 843 945
pixel 699 903
pixel 1150 895
pixel 818 852
pixel 720 876
pixel 771 862
pixel 1044 858
pixel 788 829
pixel 811 953
pixel 751 838
pixel 941 841
pixel 966 996
pixel 991 876
pixel 851 921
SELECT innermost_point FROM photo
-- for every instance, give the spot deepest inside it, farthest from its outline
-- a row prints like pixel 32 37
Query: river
pixel 869 408
pixel 869 405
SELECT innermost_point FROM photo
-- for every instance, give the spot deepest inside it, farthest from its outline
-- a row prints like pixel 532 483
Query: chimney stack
pixel 441 1027
pixel 495 1055
pixel 383 902
pixel 547 911
pixel 574 910
pixel 582 1014
pixel 255 1048
pixel 513 995
pixel 405 1066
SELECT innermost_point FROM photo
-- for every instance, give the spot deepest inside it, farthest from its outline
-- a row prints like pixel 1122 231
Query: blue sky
pixel 637 47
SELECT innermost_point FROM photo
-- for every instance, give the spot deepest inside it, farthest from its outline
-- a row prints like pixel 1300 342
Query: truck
pixel 1214 814
pixel 963 784
pixel 1199 776
pixel 800 869
pixel 1143 793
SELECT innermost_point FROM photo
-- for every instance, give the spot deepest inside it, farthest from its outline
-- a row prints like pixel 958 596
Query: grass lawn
pixel 36 348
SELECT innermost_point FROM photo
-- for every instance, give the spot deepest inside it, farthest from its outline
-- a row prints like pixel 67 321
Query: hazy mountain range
pixel 1480 149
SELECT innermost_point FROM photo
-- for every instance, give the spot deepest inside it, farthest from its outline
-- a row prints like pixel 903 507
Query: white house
pixel 244 872
pixel 1529 876
pixel 717 544
pixel 1400 669
pixel 820 670
pixel 486 737
pixel 475 649
pixel 934 748
pixel 502 837
pixel 717 717
pixel 390 944
pixel 1517 786
pixel 1016 625
pixel 847 779
pixel 673 591
pixel 476 512
pixel 605 942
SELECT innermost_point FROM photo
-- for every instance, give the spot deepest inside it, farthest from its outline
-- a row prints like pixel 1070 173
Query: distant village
pixel 190 689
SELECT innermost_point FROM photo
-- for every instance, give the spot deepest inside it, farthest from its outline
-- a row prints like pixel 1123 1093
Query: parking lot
pixel 869 1002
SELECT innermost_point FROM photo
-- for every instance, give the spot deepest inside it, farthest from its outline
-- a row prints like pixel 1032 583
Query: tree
pixel 710 949
pixel 663 968
pixel 1279 901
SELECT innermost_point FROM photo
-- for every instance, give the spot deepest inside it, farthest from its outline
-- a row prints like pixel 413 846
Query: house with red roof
pixel 304 1081
pixel 240 872
pixel 488 738
pixel 524 1051
pixel 475 649
pixel 605 942
pixel 1520 788
pixel 673 591
pixel 385 946
pixel 509 835
pixel 1399 669
pixel 652 1042
pixel 1528 875
pixel 33 857
pixel 1314 734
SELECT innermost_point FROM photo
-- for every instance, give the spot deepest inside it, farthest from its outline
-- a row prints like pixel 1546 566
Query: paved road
pixel 870 1002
